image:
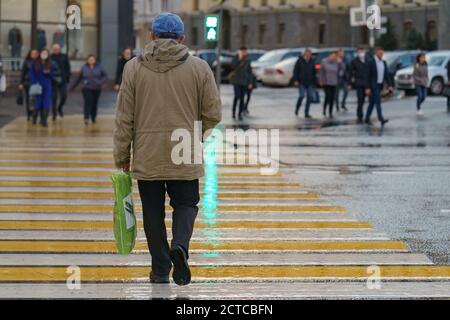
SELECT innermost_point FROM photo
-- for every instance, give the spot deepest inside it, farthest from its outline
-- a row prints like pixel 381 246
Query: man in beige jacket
pixel 165 90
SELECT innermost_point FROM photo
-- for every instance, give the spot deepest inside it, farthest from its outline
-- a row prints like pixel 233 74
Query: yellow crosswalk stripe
pixel 94 225
pixel 43 173
pixel 126 274
pixel 97 164
pixel 110 195
pixel 110 247
pixel 93 184
pixel 104 208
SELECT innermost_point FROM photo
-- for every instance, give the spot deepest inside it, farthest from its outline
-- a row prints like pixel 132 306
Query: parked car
pixel 227 58
pixel 397 60
pixel 209 55
pixel 273 57
pixel 280 74
pixel 437 71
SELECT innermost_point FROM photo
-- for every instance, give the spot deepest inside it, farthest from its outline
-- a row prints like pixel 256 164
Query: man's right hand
pixel 126 167
pixel 368 92
pixel 20 87
pixel 296 83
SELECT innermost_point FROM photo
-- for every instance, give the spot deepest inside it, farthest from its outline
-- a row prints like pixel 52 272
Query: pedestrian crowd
pixel 367 74
pixel 46 79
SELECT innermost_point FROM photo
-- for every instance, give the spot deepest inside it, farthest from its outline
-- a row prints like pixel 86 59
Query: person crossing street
pixel 378 78
pixel 359 78
pixel 305 79
pixel 165 90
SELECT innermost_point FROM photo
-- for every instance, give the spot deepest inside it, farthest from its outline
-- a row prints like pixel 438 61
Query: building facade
pixel 106 26
pixel 145 11
pixel 269 24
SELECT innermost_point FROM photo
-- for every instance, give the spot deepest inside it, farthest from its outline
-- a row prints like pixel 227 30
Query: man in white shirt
pixel 378 77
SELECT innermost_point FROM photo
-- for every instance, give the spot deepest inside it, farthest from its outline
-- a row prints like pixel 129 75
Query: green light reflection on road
pixel 209 212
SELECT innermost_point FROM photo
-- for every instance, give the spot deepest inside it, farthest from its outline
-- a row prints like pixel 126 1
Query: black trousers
pixel 60 91
pixel 330 97
pixel 91 98
pixel 184 198
pixel 361 94
pixel 249 96
pixel 239 97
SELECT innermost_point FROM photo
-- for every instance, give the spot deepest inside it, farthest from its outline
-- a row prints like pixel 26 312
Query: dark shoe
pixel 61 114
pixel 359 121
pixel 308 116
pixel 241 118
pixel 384 122
pixel 181 272
pixel 368 122
pixel 54 117
pixel 234 117
pixel 344 108
pixel 86 122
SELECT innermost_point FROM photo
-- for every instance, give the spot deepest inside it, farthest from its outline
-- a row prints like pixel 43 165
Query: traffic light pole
pixel 219 49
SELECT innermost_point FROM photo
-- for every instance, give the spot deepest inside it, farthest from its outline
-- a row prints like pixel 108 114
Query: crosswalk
pixel 256 236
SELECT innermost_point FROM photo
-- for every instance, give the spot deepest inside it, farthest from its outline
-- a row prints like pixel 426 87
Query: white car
pixel 273 57
pixel 437 72
pixel 279 74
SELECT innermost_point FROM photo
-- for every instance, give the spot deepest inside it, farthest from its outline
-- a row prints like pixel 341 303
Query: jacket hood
pixel 163 55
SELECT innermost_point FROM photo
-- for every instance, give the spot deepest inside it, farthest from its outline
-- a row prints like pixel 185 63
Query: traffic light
pixel 212 28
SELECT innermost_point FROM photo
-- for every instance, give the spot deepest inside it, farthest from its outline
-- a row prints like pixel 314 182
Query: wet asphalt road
pixel 397 177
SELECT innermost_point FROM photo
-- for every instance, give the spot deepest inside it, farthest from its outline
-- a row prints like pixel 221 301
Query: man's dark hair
pixel 379 49
pixel 243 48
pixel 167 35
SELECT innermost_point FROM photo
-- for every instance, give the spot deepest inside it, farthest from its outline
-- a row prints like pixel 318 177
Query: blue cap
pixel 168 25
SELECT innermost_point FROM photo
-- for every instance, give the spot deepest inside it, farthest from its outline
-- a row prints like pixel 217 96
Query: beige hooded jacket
pixel 163 90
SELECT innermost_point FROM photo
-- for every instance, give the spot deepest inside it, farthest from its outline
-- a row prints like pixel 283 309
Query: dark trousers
pixel 91 103
pixel 60 91
pixel 342 85
pixel 239 97
pixel 421 92
pixel 307 91
pixel 249 96
pixel 184 197
pixel 361 94
pixel 28 106
pixel 448 104
pixel 330 96
pixel 375 101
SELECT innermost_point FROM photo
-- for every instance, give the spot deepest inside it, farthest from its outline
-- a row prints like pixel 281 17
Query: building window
pixel 244 34
pixel 264 3
pixel 262 34
pixel 196 5
pixel 322 30
pixel 246 3
pixel 15 28
pixel 407 26
pixel 165 5
pixel 281 31
pixel 49 25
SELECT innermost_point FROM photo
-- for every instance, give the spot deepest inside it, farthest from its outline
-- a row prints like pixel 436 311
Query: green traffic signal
pixel 212 25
